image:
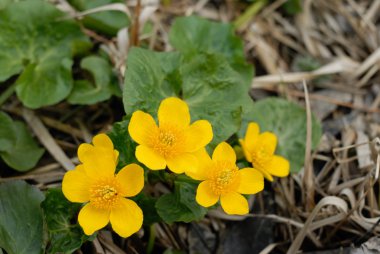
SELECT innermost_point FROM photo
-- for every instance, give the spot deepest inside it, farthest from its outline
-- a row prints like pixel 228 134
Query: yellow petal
pixel 102 140
pixel 126 218
pixel 150 158
pixel 251 181
pixel 100 163
pixel 251 136
pixel 174 111
pixel 141 127
pixel 234 203
pixel 278 166
pixel 198 135
pixel 131 179
pixel 76 185
pixel 92 219
pixel 84 149
pixel 224 152
pixel 268 142
pixel 116 155
pixel 183 162
pixel 265 174
pixel 247 154
pixel 205 196
pixel 204 160
pixel 86 152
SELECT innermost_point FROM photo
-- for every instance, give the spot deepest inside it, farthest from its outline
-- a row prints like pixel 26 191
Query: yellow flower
pixel 222 179
pixel 174 141
pixel 94 182
pixel 259 150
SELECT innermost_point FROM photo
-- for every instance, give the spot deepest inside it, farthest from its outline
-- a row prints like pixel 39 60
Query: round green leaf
pixel 25 153
pixel 180 205
pixel 84 91
pixel 21 220
pixel 37 39
pixel 7 134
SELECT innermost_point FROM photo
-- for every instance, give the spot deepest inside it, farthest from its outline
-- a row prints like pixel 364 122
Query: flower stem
pixel 152 239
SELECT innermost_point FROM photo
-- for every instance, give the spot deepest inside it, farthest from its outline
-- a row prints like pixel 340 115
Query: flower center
pixel 260 157
pixel 167 138
pixel 169 141
pixel 104 194
pixel 224 177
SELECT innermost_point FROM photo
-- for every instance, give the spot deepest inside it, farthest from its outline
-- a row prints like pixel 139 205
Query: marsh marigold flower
pixel 222 179
pixel 94 182
pixel 174 141
pixel 259 150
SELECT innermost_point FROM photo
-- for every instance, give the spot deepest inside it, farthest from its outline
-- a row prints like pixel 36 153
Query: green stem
pixel 7 93
pixel 252 10
pixel 151 240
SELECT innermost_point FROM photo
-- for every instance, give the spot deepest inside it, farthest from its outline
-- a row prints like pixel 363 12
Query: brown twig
pixel 135 28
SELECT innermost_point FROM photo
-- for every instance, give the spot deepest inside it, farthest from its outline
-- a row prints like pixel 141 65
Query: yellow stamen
pixel 104 194
pixel 224 177
pixel 260 158
pixel 169 141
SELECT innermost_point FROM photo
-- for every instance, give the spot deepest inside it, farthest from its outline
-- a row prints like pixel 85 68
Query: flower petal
pixel 115 155
pixel 92 219
pixel 131 179
pixel 224 152
pixel 84 149
pixel 102 140
pixel 247 154
pixel 150 158
pixel 98 159
pixel 100 163
pixel 234 203
pixel 198 135
pixel 205 196
pixel 251 181
pixel 141 127
pixel 267 141
pixel 278 166
pixel 251 136
pixel 126 218
pixel 204 160
pixel 183 162
pixel 174 111
pixel 76 185
pixel 265 174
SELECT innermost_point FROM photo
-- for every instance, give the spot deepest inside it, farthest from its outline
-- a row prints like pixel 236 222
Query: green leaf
pixel 64 235
pixel 288 121
pixel 213 90
pixel 181 205
pixel 148 206
pixel 21 220
pixel 193 35
pixel 123 143
pixel 4 3
pixel 25 153
pixel 84 91
pixel 146 80
pixel 45 83
pixel 107 22
pixel 37 40
pixel 7 134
